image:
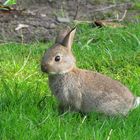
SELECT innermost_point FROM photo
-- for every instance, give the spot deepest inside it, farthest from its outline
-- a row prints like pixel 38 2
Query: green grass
pixel 113 52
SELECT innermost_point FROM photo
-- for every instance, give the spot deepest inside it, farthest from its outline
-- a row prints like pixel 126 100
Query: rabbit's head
pixel 59 58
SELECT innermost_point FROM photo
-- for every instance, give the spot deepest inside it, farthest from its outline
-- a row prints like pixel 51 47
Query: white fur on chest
pixel 66 91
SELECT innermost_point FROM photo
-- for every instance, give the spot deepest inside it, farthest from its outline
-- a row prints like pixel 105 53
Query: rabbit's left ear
pixel 68 40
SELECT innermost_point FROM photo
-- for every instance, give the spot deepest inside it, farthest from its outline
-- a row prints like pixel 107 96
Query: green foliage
pixel 113 52
pixel 10 2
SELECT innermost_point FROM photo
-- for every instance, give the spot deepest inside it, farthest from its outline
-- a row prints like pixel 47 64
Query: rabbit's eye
pixel 57 58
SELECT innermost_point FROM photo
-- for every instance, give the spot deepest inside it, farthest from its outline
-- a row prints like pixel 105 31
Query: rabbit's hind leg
pixel 114 107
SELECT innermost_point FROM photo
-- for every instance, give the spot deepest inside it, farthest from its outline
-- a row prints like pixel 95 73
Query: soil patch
pixel 40 20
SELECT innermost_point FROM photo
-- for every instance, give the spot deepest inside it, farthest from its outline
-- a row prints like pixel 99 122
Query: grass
pixel 113 52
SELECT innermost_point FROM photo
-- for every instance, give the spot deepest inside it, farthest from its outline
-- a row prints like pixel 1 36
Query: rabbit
pixel 81 90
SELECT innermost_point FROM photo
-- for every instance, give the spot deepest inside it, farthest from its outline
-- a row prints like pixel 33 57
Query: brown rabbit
pixel 82 90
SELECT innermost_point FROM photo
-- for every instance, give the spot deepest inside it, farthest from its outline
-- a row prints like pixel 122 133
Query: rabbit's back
pixel 104 94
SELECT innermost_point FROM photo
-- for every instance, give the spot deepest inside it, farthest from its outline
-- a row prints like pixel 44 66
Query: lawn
pixel 24 115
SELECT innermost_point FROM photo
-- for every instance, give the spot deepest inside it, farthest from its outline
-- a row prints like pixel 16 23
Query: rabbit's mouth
pixel 44 69
pixel 50 70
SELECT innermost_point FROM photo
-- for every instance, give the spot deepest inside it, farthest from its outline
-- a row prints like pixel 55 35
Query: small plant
pixel 9 2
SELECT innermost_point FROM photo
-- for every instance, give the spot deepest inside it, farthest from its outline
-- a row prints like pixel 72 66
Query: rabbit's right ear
pixel 68 40
pixel 61 35
pixel 66 37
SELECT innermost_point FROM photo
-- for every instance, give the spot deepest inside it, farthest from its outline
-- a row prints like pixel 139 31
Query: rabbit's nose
pixel 44 68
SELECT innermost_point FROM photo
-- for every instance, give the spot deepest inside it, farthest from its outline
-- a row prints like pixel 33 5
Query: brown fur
pixel 83 90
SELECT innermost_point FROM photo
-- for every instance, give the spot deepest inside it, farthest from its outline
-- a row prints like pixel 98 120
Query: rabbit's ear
pixel 61 35
pixel 68 40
